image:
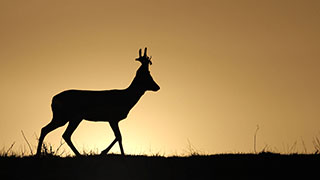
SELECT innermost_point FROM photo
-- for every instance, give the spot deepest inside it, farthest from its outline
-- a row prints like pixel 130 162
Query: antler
pixel 144 59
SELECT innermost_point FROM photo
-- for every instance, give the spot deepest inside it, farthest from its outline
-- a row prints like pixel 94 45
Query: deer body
pixel 109 105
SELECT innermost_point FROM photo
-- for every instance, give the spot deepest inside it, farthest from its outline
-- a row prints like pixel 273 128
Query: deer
pixel 72 106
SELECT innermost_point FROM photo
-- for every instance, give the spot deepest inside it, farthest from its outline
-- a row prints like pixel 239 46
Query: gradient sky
pixel 224 67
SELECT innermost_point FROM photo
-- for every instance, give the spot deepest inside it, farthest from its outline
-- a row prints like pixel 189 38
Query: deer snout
pixel 157 88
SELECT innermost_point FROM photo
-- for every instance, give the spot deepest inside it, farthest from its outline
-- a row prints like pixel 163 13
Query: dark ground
pixel 225 166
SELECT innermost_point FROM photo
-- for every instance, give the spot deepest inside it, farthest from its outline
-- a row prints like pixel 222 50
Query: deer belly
pixel 102 114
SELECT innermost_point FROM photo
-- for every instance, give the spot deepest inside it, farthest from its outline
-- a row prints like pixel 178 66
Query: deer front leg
pixel 116 131
pixel 73 124
pixel 109 147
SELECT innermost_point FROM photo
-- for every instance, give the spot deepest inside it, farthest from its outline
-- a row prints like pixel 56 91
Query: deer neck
pixel 135 92
pixel 134 89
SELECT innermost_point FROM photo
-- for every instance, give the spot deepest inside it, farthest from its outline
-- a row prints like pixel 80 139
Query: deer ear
pixel 145 52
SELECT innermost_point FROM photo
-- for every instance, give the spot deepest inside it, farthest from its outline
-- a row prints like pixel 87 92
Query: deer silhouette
pixel 108 105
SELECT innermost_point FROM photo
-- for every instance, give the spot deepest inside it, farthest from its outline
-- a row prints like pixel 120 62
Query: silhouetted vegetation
pixel 224 166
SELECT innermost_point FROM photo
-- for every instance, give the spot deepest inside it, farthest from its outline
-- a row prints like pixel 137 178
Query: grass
pixel 49 150
pixel 316 144
pixel 224 166
pixel 194 164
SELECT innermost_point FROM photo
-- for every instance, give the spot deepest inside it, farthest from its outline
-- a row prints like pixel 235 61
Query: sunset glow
pixel 224 67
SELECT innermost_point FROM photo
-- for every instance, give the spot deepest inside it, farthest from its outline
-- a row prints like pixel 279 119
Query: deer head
pixel 143 77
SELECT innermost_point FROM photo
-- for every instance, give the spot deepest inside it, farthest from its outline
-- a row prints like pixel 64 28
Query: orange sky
pixel 224 67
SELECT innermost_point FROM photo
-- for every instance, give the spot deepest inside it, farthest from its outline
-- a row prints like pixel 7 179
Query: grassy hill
pixel 223 166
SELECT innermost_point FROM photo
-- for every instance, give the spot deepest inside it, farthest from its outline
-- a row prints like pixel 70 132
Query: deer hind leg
pixel 54 124
pixel 73 124
pixel 116 131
